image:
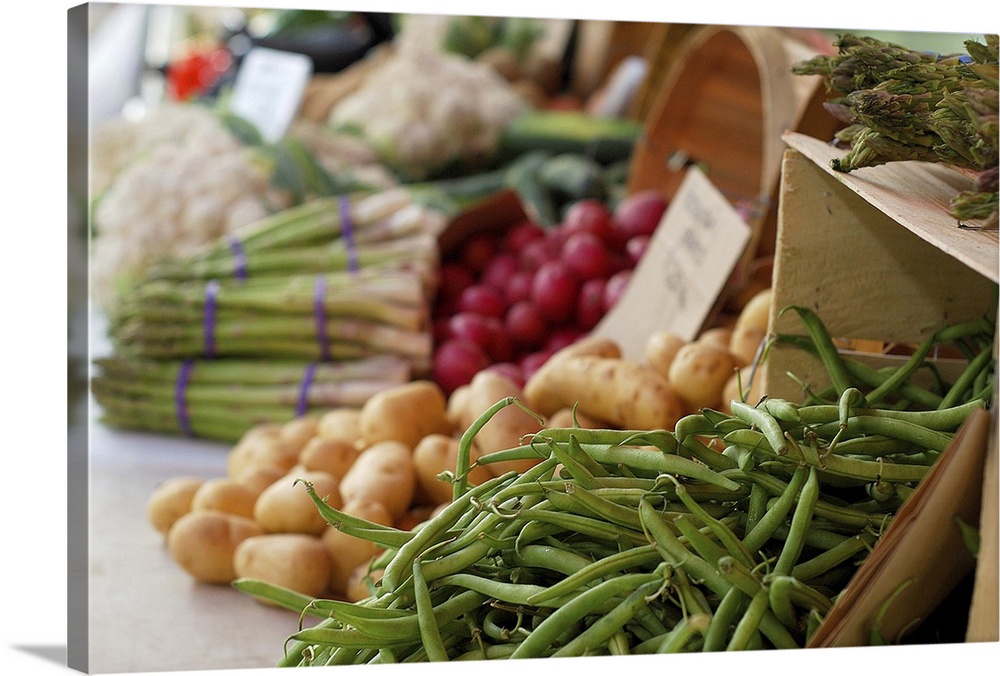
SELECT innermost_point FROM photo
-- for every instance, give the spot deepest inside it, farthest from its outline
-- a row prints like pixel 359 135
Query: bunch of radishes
pixel 508 300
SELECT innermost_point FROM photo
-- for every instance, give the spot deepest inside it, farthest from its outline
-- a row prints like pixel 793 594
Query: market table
pixel 146 613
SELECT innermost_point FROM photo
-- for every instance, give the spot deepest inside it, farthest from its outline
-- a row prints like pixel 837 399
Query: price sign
pixel 268 89
pixel 691 256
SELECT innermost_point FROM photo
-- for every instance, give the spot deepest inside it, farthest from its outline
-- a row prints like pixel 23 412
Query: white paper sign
pixel 268 89
pixel 691 256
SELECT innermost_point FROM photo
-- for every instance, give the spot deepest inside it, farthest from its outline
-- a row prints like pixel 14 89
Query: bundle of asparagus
pixel 901 104
pixel 317 306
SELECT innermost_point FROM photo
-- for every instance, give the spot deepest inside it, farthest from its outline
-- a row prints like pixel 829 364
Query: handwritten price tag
pixel 268 89
pixel 692 255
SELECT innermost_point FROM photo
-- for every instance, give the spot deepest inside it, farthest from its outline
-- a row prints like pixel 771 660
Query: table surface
pixel 147 614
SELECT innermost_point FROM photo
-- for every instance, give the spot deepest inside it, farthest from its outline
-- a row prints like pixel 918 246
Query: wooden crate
pixel 877 256
pixel 874 253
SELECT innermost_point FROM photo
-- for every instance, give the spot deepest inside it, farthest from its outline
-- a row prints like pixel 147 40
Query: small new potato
pixel 382 473
pixel 299 430
pixel 564 417
pixel 330 455
pixel 699 372
pixel 341 423
pixel 259 478
pixel 170 500
pixel 507 427
pixel 203 544
pixel 751 327
pixel 262 445
pixel 286 507
pixel 660 349
pixel 224 494
pixel 433 455
pixel 404 413
pixel 740 380
pixel 293 560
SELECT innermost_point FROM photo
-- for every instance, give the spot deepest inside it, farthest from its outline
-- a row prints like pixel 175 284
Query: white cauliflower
pixel 424 108
pixel 170 189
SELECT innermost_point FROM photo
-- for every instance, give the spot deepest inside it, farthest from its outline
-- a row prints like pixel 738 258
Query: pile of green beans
pixel 734 531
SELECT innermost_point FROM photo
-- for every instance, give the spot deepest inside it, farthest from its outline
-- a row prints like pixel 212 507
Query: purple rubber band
pixel 319 309
pixel 239 257
pixel 302 403
pixel 180 398
pixel 347 227
pixel 211 293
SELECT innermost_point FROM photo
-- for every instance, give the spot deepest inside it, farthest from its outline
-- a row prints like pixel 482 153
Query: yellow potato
pixel 626 393
pixel 433 455
pixel 262 445
pixel 330 455
pixel 286 507
pixel 751 327
pixel 564 417
pixel 296 561
pixel 170 500
pixel 457 407
pixel 203 544
pixel 259 478
pixel 340 423
pixel 224 494
pixel 699 372
pixel 382 473
pixel 404 413
pixel 298 431
pixel 347 552
pixel 360 584
pixel 717 335
pixel 660 349
pixel 542 391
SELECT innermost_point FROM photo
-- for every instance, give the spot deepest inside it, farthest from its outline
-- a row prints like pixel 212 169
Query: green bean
pixel 749 623
pixel 729 541
pixel 579 471
pixel 663 440
pixel 965 381
pixel 699 451
pixel 782 410
pixel 735 574
pixel 431 531
pixel 827 352
pixel 430 633
pixel 602 507
pixel 550 557
pixel 724 617
pixel 756 508
pixel 902 373
pixel 507 592
pixel 693 424
pixel 592 527
pixel 761 420
pixel 896 428
pixel 618 643
pixel 608 623
pixel 554 625
pixel 874 470
pixel 497 651
pixel 833 556
pixel 661 463
pixel 816 537
pixel 776 513
pixel 384 536
pixel 801 519
pixel 702 545
pixel 676 553
pixel 638 556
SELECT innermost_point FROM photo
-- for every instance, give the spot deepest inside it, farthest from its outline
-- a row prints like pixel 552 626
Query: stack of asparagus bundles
pixel 902 104
pixel 317 306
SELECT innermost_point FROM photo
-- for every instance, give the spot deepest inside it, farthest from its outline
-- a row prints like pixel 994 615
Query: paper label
pixel 691 256
pixel 268 89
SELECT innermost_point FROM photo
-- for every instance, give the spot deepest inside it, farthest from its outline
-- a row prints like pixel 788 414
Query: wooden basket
pixel 724 103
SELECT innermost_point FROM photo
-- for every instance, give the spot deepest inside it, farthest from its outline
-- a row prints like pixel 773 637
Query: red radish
pixel 482 299
pixel 638 214
pixel 519 235
pixel 471 326
pixel 536 253
pixel 453 279
pixel 456 361
pixel 498 270
pixel 561 338
pixel 554 290
pixel 586 255
pixel 635 247
pixel 525 324
pixel 590 304
pixel 477 251
pixel 615 288
pixel 588 215
pixel 501 345
pixel 518 287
